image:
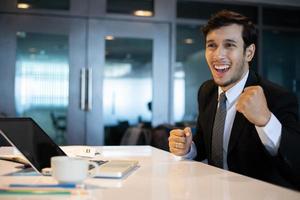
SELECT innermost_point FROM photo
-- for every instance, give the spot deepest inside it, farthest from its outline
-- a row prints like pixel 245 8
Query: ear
pixel 250 50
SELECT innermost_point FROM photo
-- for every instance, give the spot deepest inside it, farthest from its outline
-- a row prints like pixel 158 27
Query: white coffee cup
pixel 71 170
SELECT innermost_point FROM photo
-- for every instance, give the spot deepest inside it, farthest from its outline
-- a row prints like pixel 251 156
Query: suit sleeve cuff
pixel 270 134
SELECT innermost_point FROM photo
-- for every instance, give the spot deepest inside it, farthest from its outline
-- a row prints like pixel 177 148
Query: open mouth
pixel 221 68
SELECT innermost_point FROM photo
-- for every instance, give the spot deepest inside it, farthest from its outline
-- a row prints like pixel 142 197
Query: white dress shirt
pixel 269 134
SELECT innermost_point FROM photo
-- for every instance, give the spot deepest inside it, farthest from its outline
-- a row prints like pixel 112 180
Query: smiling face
pixel 225 55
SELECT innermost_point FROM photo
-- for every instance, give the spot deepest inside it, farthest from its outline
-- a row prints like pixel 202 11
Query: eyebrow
pixel 209 41
pixel 227 40
pixel 230 40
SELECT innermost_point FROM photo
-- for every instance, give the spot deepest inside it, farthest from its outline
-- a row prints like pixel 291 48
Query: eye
pixel 211 45
pixel 230 45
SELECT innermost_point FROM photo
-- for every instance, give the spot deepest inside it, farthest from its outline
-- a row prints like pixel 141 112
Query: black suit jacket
pixel 246 153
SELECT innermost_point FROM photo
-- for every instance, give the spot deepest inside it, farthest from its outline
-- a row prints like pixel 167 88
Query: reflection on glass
pixel 281 55
pixel 143 8
pixel 42 81
pixel 127 86
pixel 44 4
pixel 190 72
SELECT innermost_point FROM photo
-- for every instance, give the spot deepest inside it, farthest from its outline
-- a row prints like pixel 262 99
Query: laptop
pixel 38 148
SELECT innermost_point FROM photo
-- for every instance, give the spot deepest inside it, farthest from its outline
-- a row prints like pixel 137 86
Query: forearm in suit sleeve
pixel 199 142
pixel 288 158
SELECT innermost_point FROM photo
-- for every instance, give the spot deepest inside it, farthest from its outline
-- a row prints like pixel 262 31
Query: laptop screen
pixel 30 140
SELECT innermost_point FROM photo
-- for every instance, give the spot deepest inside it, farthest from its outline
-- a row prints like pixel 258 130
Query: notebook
pixel 38 148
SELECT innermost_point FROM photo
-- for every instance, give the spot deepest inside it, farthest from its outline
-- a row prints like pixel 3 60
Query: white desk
pixel 159 176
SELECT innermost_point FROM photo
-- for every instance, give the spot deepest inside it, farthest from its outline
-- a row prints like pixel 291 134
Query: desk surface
pixel 160 176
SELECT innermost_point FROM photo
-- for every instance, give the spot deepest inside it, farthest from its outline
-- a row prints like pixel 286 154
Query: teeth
pixel 221 67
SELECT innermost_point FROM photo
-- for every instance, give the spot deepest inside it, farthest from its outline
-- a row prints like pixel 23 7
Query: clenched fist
pixel 252 104
pixel 180 141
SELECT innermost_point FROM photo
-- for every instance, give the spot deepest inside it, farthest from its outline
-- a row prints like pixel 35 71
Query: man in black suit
pixel 259 133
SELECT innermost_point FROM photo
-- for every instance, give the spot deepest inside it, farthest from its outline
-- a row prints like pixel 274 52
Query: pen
pixel 63 185
pixel 37 192
pixel 43 191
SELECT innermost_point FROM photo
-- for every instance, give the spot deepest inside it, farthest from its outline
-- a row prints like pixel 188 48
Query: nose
pixel 220 52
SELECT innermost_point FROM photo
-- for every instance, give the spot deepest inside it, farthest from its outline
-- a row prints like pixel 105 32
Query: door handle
pixel 82 88
pixel 86 89
pixel 89 88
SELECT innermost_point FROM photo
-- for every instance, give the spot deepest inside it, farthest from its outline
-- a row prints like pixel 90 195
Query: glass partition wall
pixel 39 72
pixel 127 85
pixel 80 75
pixel 190 71
pixel 42 81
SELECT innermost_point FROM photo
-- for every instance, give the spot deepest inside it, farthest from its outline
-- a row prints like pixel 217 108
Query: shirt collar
pixel 233 93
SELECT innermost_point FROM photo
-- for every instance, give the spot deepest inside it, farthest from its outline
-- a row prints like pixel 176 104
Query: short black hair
pixel 226 18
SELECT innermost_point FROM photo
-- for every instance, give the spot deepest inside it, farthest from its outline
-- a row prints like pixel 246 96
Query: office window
pixel 143 8
pixel 44 4
pixel 190 72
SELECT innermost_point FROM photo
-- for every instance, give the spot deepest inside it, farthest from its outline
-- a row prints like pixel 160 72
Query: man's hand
pixel 252 104
pixel 180 141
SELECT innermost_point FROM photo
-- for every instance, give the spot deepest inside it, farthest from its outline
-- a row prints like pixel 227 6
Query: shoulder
pixel 274 91
pixel 207 88
pixel 206 92
pixel 279 99
pixel 271 89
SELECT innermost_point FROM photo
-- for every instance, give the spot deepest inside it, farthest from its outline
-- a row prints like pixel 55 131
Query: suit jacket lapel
pixel 210 117
pixel 240 120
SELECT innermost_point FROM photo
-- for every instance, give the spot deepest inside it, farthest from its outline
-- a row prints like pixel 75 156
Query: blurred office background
pixel 91 71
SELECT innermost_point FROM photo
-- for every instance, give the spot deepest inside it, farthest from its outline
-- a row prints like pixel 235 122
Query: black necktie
pixel 218 131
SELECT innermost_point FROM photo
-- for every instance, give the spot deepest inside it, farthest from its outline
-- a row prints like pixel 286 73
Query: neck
pixel 226 88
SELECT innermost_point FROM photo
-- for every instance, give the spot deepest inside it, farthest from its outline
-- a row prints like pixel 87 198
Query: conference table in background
pixel 160 175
